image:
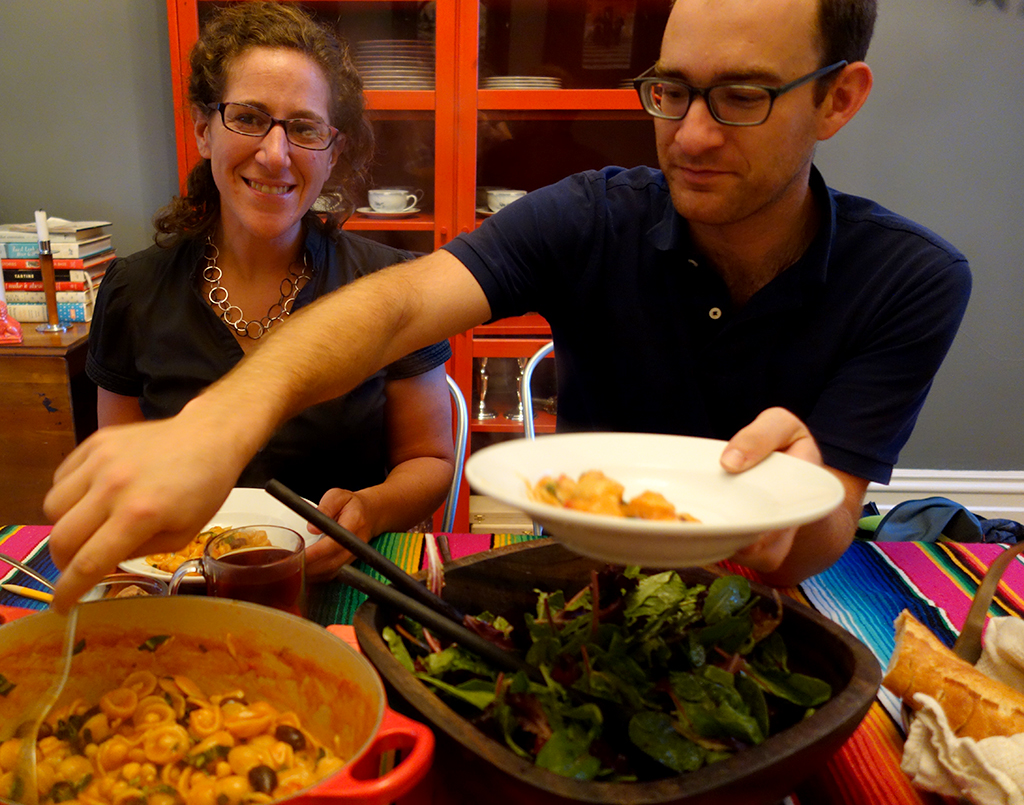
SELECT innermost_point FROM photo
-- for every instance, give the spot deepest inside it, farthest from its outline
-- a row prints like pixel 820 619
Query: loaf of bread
pixel 975 705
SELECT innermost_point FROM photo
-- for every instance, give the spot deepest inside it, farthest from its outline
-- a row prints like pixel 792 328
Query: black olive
pixel 291 736
pixel 262 779
pixel 62 791
pixel 45 730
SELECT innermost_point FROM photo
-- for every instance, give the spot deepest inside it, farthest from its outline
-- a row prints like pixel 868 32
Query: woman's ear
pixel 201 127
pixel 337 149
pixel 845 97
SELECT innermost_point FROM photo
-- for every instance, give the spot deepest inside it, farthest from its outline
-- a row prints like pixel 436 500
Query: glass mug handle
pixel 189 565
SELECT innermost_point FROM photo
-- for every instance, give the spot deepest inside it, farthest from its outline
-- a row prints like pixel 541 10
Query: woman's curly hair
pixel 229 33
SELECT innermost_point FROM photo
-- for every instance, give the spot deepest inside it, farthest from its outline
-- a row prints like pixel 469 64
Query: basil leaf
pixel 476 692
pixel 726 596
pixel 653 734
pixel 566 753
pixel 398 648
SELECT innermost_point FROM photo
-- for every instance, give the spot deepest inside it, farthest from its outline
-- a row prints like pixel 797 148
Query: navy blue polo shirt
pixel 646 338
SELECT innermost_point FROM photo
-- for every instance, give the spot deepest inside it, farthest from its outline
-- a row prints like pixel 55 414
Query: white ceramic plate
pixel 485 211
pixel 370 212
pixel 244 506
pixel 733 510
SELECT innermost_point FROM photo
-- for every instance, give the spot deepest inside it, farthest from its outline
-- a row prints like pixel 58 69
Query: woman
pixel 278 114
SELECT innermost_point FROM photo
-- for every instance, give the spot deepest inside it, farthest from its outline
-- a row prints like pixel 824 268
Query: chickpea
pixel 232 788
pixel 73 768
pixel 9 753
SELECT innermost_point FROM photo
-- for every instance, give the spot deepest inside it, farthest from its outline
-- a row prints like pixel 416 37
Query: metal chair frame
pixel 525 390
pixel 461 442
pixel 526 394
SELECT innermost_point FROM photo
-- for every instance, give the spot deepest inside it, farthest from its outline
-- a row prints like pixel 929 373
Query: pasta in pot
pixel 162 741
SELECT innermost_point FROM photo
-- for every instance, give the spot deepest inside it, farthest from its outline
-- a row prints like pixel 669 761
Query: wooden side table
pixel 47 406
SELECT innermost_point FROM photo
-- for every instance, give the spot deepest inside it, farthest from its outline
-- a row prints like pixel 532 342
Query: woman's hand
pixel 325 556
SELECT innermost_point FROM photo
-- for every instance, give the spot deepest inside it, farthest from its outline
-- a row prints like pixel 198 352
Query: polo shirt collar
pixel 670 232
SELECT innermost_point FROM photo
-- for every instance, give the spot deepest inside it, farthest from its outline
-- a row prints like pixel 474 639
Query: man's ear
pixel 201 127
pixel 846 95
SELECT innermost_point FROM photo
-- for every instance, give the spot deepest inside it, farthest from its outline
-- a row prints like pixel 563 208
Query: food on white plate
pixel 975 705
pixel 596 493
pixel 169 562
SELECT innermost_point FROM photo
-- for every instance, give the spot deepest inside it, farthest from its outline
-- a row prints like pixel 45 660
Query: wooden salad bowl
pixel 479 769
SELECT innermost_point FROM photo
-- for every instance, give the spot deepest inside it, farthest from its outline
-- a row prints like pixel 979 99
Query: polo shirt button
pixel 715 313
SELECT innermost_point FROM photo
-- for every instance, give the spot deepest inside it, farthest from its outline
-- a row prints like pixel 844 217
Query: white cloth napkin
pixel 985 772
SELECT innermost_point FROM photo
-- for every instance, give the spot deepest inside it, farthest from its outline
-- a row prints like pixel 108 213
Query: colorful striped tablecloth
pixel 863 592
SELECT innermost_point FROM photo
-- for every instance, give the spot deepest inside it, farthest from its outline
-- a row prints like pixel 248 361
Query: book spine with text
pixel 100 259
pixel 66 311
pixel 37 285
pixel 82 248
pixel 39 297
pixel 60 275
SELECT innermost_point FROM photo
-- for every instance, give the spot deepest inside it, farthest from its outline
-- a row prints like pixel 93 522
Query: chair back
pixel 526 394
pixel 461 440
pixel 525 390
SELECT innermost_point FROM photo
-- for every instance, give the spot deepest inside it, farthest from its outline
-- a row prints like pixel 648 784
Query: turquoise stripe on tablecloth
pixel 864 593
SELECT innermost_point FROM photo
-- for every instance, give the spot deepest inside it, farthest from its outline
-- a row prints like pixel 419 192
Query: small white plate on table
pixel 370 212
pixel 244 506
pixel 732 510
pixel 485 211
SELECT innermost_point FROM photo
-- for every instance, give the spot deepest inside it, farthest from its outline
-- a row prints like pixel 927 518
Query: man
pixel 732 295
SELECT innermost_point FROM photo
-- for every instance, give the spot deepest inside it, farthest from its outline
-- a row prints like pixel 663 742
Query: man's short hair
pixel 845 27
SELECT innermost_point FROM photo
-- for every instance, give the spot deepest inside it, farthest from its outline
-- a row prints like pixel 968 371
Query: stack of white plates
pixel 395 64
pixel 521 82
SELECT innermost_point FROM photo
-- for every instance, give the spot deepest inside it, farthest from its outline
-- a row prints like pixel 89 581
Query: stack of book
pixel 82 252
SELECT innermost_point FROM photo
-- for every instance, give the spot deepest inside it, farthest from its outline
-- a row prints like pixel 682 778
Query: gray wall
pixel 939 140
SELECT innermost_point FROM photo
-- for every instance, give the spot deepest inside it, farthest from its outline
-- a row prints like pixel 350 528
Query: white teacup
pixel 498 199
pixel 481 194
pixel 393 199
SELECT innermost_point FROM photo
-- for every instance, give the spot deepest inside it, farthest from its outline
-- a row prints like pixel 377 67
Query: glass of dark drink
pixel 264 564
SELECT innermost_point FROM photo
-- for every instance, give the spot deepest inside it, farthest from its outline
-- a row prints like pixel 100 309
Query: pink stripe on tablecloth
pixel 918 562
pixel 462 545
pixel 21 543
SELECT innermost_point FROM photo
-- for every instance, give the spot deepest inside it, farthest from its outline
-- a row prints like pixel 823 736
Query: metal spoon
pixel 968 644
pixel 25 782
pixel 27 570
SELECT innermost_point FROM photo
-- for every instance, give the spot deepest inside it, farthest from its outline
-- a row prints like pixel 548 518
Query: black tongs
pixel 413 599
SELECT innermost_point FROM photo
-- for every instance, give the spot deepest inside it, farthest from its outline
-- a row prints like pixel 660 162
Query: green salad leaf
pixel 640 672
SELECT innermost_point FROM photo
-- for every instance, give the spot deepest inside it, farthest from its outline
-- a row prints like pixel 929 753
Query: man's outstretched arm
pixel 143 488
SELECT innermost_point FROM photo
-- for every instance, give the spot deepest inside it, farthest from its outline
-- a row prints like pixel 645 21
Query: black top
pixel 155 337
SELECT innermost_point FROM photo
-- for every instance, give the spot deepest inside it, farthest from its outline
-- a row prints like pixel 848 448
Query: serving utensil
pixel 416 601
pixel 25 765
pixel 968 644
pixel 28 571
pixel 351 543
pixel 28 592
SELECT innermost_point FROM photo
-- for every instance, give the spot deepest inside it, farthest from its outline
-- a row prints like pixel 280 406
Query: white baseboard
pixel 989 494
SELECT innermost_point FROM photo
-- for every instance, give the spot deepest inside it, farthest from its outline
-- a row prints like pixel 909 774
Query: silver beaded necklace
pixel 232 314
